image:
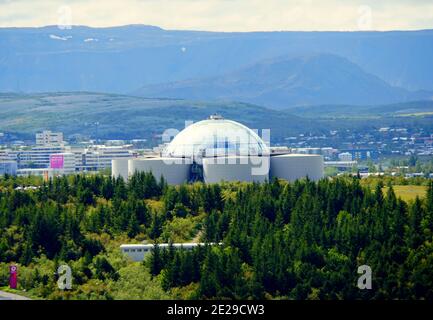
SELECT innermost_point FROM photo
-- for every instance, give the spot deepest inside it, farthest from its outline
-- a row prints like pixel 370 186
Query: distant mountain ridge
pixel 123 59
pixel 283 82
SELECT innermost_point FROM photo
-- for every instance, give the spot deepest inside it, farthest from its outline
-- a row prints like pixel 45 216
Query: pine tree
pixel 415 231
pixel 428 220
pixel 156 263
pixel 133 227
pixel 155 227
pixel 209 285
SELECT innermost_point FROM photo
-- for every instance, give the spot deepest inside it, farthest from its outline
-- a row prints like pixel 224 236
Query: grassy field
pixel 408 193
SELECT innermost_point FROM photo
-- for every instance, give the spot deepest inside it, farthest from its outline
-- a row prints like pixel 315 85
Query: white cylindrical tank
pixel 119 167
pixel 296 166
pixel 174 170
pixel 236 168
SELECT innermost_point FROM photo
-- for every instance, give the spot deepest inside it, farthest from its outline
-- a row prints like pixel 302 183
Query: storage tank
pixel 236 168
pixel 296 166
pixel 119 167
pixel 174 170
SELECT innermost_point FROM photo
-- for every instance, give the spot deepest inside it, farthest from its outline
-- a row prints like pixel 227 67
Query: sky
pixel 223 15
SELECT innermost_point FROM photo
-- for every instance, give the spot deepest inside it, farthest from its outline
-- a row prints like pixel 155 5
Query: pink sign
pixel 56 161
pixel 13 276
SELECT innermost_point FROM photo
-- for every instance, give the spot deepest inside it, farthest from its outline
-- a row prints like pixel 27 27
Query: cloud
pixel 225 15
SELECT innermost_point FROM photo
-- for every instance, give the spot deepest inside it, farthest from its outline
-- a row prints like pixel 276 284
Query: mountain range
pixel 376 67
pixel 300 81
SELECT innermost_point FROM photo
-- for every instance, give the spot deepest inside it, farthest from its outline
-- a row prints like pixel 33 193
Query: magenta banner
pixel 56 161
pixel 13 275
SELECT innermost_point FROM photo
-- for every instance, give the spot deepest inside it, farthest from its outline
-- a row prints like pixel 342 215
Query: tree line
pixel 301 240
pixel 305 241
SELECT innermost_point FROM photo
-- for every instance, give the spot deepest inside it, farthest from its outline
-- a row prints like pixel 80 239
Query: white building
pixel 174 170
pixel 291 167
pixel 345 156
pixel 99 157
pixel 39 156
pixel 328 152
pixel 217 150
pixel 6 154
pixel 47 137
pixel 62 163
pixel 68 160
pixel 47 143
pixel 137 252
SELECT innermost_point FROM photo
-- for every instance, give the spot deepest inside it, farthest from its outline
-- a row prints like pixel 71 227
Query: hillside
pixel 280 83
pixel 412 108
pixel 127 117
pixel 122 59
pixel 121 116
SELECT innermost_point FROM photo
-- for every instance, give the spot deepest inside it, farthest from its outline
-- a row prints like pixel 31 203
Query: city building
pixel 39 156
pixel 361 154
pixel 99 157
pixel 345 156
pixel 218 149
pixel 8 167
pixel 47 137
pixel 62 163
pixel 51 155
pixel 5 154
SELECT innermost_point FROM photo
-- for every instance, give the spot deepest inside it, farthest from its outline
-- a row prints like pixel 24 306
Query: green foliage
pixel 305 241
pixel 301 240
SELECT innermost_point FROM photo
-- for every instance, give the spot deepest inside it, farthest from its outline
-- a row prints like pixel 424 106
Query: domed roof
pixel 216 137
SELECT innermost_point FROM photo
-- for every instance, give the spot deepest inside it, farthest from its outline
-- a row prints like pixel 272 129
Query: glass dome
pixel 216 137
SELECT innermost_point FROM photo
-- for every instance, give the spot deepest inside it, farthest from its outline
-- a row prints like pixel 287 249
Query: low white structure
pixel 236 168
pixel 137 252
pixel 296 166
pixel 119 168
pixel 216 150
pixel 174 170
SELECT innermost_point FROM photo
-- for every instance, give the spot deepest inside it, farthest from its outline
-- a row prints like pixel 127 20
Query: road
pixel 10 296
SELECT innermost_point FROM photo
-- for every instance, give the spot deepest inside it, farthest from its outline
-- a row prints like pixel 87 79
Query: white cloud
pixel 222 15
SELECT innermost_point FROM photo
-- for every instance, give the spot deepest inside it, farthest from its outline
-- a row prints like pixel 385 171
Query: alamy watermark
pixel 64 19
pixel 365 18
pixel 64 281
pixel 365 280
